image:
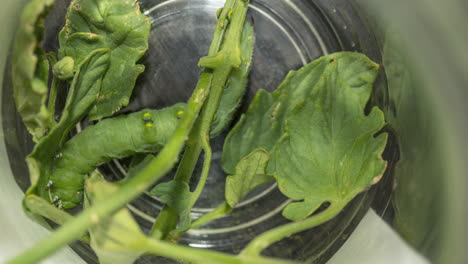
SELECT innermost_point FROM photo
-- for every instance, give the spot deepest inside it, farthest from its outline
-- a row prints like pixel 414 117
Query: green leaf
pixel 330 151
pixel 176 195
pixel 236 85
pixel 263 124
pixel 31 69
pixel 114 239
pixel 255 129
pixel 82 95
pixel 250 174
pixel 114 24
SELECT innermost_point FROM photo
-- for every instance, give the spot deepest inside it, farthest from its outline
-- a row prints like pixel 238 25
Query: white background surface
pixel 374 241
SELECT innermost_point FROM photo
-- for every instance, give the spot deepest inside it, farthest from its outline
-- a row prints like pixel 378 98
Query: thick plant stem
pixel 192 152
pixel 167 216
pixel 37 205
pixel 201 143
pixel 161 229
pixel 255 247
pixel 202 256
pixel 162 164
pixel 220 211
pixel 206 168
pixel 167 219
pixel 222 61
pixel 219 79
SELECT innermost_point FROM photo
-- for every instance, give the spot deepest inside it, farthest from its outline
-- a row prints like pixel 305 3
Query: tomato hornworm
pixel 118 137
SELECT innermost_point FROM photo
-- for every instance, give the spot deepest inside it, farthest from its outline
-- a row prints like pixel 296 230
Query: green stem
pixel 161 165
pixel 220 77
pixel 206 168
pixel 37 205
pixel 162 228
pixel 52 57
pixel 255 247
pixel 203 256
pixel 53 97
pixel 348 221
pixel 226 58
pixel 167 218
pixel 192 152
pixel 220 211
pixel 221 27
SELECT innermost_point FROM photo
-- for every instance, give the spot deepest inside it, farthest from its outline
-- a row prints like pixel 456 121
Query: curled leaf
pixel 31 69
pixel 82 95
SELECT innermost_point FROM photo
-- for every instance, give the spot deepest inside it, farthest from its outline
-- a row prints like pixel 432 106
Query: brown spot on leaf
pixel 378 177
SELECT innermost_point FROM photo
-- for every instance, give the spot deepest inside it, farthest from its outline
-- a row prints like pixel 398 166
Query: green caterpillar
pixel 122 136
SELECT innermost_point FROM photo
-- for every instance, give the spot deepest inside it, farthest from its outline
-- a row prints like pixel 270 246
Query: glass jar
pixel 421 88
